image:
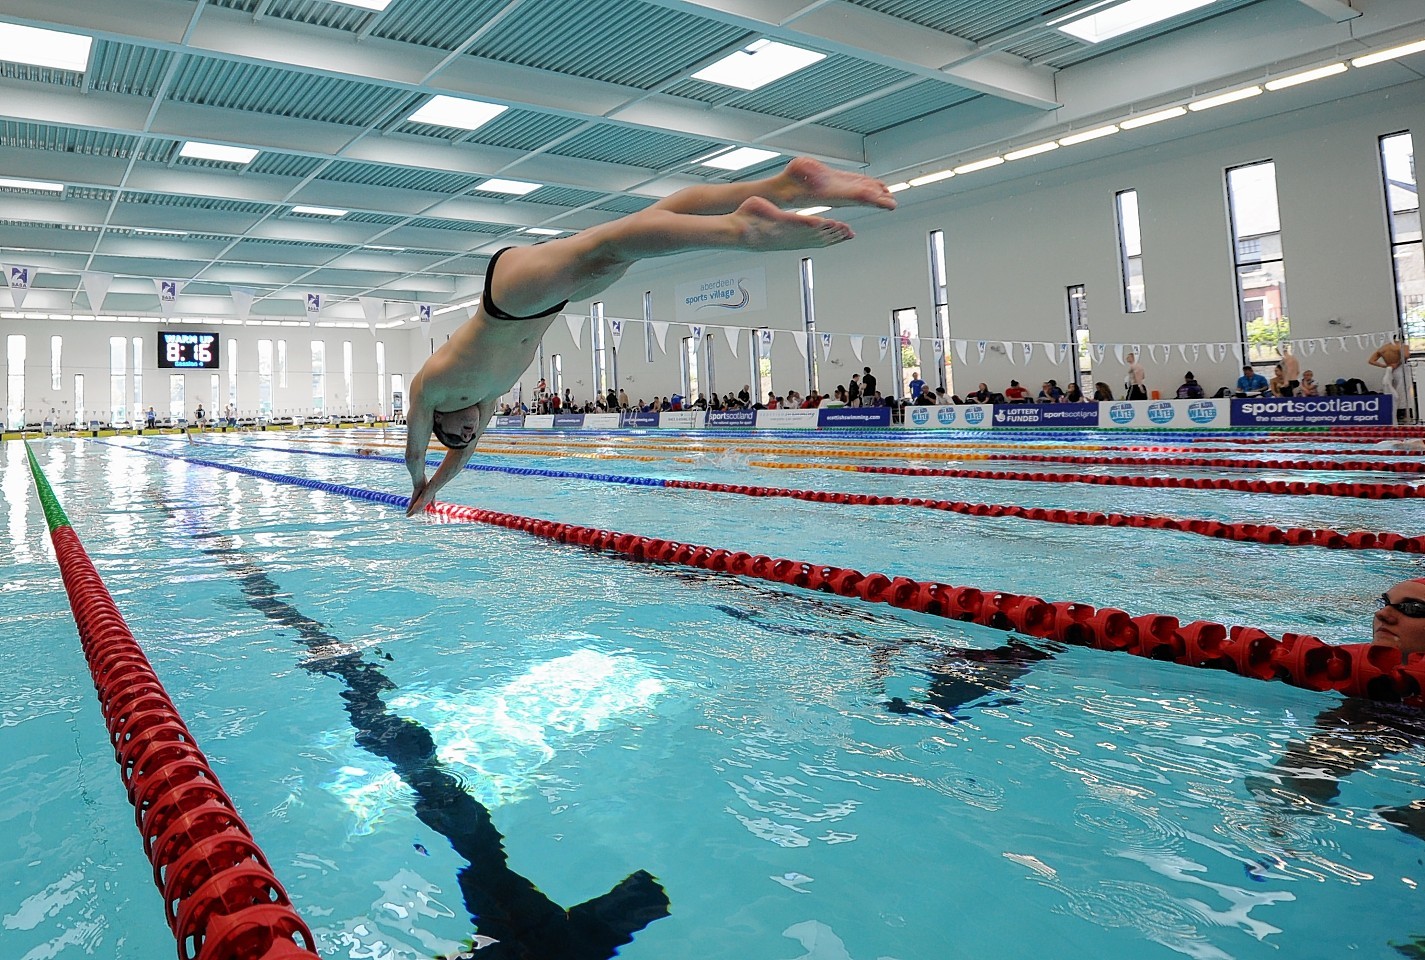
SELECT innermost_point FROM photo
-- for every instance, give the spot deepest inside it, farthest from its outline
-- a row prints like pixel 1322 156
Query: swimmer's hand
pixel 420 497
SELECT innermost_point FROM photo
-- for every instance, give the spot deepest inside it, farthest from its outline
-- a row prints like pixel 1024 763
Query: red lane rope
pixel 220 897
pixel 1243 532
pixel 1234 463
pixel 1359 669
pixel 1368 491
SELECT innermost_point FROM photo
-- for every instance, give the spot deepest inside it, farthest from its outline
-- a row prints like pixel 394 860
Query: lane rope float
pixel 220 897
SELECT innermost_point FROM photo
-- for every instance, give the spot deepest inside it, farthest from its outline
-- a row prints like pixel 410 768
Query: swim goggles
pixel 1414 609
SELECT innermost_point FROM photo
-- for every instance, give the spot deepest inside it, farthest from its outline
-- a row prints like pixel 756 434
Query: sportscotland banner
pixel 1371 410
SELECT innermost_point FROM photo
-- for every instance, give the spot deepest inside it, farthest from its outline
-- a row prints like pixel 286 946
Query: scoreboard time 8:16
pixel 187 349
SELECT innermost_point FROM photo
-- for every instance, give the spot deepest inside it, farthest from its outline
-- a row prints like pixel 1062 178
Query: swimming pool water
pixel 805 776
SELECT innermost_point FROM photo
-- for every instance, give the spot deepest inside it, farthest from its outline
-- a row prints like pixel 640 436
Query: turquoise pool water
pixel 804 776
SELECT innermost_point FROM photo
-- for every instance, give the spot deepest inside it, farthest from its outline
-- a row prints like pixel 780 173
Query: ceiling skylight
pixel 740 158
pixel 1107 23
pixel 443 111
pixel 517 187
pixel 758 64
pixel 196 150
pixel 44 48
pixel 11 183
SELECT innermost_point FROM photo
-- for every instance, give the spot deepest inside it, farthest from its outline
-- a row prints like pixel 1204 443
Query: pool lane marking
pixel 1216 529
pixel 504 905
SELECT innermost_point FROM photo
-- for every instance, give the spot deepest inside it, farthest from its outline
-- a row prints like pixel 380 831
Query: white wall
pixel 1013 248
pixel 85 350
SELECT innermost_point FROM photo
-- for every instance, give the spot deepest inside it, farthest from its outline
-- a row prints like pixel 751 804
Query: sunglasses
pixel 1414 609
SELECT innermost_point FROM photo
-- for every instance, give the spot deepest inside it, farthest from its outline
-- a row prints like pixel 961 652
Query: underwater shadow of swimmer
pixel 505 906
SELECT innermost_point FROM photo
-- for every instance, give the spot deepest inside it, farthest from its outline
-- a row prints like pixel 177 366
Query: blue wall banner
pixel 732 418
pixel 1046 415
pixel 1371 410
pixel 973 416
pixel 853 417
pixel 639 419
pixel 568 420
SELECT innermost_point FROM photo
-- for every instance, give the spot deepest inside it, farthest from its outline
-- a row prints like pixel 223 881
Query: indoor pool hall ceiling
pixel 592 109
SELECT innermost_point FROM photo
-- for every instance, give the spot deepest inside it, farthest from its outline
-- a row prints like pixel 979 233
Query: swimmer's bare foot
pixel 765 226
pixel 813 182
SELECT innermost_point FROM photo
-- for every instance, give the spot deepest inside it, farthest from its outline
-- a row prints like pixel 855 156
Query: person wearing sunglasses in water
pixel 1355 734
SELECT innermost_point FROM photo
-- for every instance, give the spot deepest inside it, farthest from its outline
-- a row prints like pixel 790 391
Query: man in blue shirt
pixel 916 385
pixel 1251 382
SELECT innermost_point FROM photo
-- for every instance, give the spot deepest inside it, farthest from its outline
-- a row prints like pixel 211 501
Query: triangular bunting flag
pixel 660 331
pixel 314 304
pixel 1196 352
pixel 1153 352
pixel 885 345
pixel 575 323
pixel 983 344
pixel 1237 349
pixel 799 337
pixel 1063 354
pixel 733 334
pixel 373 308
pixel 960 346
pixel 96 287
pixel 168 291
pixel 616 332
pixel 856 342
pixel 825 346
pixel 243 298
pixel 1100 350
pixel 1008 351
pixel 19 278
pixel 1028 352
pixel 938 347
pixel 1310 346
pixel 697 329
pixel 1118 351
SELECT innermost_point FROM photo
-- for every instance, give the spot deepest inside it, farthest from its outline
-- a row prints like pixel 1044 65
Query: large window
pixel 15 382
pixel 79 410
pixel 348 374
pixel 176 396
pixel 282 363
pixel 319 376
pixel 1397 153
pixel 808 284
pixel 56 346
pixel 381 378
pixel 138 378
pixel 118 386
pixel 1257 250
pixel 940 297
pixel 232 372
pixel 597 347
pixel 1130 252
pixel 688 357
pixel 264 376
pixel 648 325
pixel 215 390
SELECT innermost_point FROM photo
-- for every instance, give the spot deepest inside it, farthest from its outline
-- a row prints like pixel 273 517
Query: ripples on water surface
pixel 809 778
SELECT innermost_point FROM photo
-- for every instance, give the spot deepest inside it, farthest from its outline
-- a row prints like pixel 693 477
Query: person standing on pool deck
pixel 455 390
pixel 1391 358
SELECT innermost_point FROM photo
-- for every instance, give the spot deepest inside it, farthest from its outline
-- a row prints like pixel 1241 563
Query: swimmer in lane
pixel 455 391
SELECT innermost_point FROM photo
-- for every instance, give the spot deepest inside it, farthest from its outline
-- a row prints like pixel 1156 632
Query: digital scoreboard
pixel 185 349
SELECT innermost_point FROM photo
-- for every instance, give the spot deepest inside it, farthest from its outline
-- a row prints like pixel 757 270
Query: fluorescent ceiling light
pixel 1087 135
pixel 443 111
pixel 377 5
pixel 543 231
pixel 377 246
pixel 1133 123
pixel 1224 98
pixel 14 184
pixel 195 150
pixel 812 211
pixel 758 64
pixel 935 177
pixel 1306 76
pixel 1125 18
pixel 979 165
pixel 1382 55
pixel 320 211
pixel 160 233
pixel 898 187
pixel 44 48
pixel 740 158
pixel 517 187
pixel 1033 151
